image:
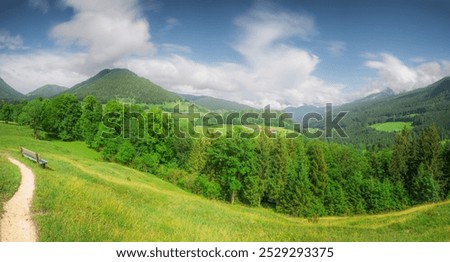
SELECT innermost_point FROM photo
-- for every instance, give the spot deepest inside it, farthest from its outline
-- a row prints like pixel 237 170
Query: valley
pixel 83 198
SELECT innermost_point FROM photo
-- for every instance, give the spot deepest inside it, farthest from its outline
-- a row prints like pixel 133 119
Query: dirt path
pixel 17 224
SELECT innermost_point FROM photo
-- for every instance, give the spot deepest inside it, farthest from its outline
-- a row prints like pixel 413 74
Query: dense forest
pixel 298 176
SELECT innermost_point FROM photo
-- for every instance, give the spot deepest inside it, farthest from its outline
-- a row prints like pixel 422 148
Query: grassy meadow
pixel 223 129
pixel 392 126
pixel 9 180
pixel 79 197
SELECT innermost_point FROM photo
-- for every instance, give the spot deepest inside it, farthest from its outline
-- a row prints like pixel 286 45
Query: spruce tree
pixel 279 165
pixel 429 154
pixel 424 187
pixel 317 169
pixel 400 157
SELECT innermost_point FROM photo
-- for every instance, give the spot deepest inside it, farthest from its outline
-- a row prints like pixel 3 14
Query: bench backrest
pixel 30 153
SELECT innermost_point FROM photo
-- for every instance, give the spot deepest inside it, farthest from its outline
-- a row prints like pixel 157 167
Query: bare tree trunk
pixel 233 195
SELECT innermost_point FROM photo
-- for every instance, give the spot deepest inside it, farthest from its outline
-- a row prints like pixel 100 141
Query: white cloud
pixel 113 34
pixel 263 27
pixel 273 71
pixel 336 48
pixel 108 29
pixel 42 5
pixel 8 41
pixel 28 72
pixel 394 73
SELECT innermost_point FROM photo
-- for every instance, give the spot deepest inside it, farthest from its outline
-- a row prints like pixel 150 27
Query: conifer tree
pixel 317 169
pixel 400 157
pixel 424 186
pixel 279 165
pixel 429 154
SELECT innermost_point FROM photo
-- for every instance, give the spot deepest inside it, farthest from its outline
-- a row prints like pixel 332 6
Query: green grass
pixel 9 180
pixel 391 126
pixel 81 198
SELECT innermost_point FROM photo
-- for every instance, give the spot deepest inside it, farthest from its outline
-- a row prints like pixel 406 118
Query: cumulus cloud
pixel 273 71
pixel 114 34
pixel 394 73
pixel 27 72
pixel 108 29
pixel 263 26
pixel 8 41
pixel 102 32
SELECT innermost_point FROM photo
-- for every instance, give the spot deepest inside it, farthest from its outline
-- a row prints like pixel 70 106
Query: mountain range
pixel 421 107
pixel 109 84
pixel 385 93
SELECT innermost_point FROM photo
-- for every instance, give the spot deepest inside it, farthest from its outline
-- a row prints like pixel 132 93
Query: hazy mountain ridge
pixel 388 92
pixel 47 91
pixel 422 107
pixel 216 104
pixel 7 93
pixel 299 112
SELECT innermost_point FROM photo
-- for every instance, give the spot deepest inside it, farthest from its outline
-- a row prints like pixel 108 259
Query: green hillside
pixel 81 198
pixel 7 93
pixel 9 180
pixel 47 91
pixel 216 104
pixel 122 83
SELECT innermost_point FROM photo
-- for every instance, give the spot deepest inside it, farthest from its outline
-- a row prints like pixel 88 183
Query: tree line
pixel 300 177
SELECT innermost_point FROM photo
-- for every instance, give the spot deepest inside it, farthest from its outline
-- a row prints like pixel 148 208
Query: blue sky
pixel 283 53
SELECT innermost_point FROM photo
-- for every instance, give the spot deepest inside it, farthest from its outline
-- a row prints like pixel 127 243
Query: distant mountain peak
pixel 387 92
pixel 47 91
pixel 115 70
pixel 122 83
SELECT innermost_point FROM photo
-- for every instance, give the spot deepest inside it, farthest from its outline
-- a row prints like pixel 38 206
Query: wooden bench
pixel 33 156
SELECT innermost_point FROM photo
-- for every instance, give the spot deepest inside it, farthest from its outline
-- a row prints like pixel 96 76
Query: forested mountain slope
pixel 7 93
pixel 122 83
